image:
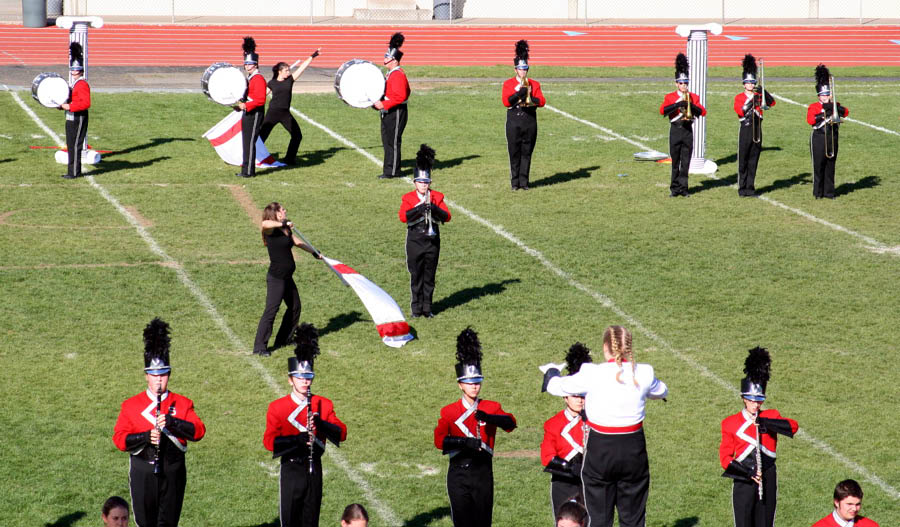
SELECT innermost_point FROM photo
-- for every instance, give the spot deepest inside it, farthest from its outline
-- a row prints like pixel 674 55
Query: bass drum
pixel 50 90
pixel 359 83
pixel 224 83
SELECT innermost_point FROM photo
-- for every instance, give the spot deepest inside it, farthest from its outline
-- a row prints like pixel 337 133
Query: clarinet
pixel 477 426
pixel 309 426
pixel 759 465
pixel 157 467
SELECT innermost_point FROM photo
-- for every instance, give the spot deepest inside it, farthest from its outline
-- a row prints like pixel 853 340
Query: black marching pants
pixel 748 156
pixel 251 122
pixel 616 475
pixel 285 119
pixel 521 136
pixel 393 122
pixel 470 486
pixel 749 511
pixel 422 254
pixel 278 290
pixel 681 147
pixel 561 491
pixel 76 131
pixel 157 499
pixel 823 167
pixel 300 492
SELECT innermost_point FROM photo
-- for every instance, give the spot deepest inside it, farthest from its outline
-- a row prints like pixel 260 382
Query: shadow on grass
pixel 852 186
pixel 114 166
pixel 342 321
pixel 464 296
pixel 427 518
pixel 274 523
pixel 778 184
pixel 564 177
pixel 158 141
pixel 316 157
pixel 733 157
pixel 438 163
pixel 709 184
pixel 690 521
pixel 7 160
pixel 68 520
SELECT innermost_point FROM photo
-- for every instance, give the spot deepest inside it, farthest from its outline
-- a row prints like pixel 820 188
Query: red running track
pixel 134 45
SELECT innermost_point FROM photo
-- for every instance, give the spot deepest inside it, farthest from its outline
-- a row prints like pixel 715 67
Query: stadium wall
pixel 412 10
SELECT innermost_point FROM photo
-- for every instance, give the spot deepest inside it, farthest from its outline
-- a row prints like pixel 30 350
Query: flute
pixel 157 467
pixel 309 429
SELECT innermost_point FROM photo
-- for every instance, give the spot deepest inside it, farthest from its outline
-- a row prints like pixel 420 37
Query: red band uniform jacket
pixel 287 418
pixel 138 416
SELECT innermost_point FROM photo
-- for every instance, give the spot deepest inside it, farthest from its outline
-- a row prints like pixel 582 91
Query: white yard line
pixel 387 514
pixel 882 247
pixel 607 303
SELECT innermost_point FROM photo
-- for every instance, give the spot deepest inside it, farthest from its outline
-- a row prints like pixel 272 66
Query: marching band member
pixel 562 450
pixel 823 141
pixel 615 472
pixel 681 107
pixel 154 427
pixel 393 108
pixel 280 87
pixel 847 502
pixel 749 106
pixel 521 117
pixel 280 286
pixel 298 436
pixel 76 111
pixel 747 450
pixel 423 210
pixel 466 431
pixel 253 106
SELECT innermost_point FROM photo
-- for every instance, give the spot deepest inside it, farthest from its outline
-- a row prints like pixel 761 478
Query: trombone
pixel 835 119
pixel 756 121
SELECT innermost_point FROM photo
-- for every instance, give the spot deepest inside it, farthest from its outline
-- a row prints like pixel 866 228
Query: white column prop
pixel 697 43
pixel 78 32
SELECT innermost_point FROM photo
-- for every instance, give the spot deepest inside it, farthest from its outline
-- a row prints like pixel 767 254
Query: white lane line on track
pixel 386 513
pixel 882 247
pixel 607 303
pixel 872 126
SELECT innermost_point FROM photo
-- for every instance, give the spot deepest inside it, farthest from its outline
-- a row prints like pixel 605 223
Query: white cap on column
pixel 68 21
pixel 684 30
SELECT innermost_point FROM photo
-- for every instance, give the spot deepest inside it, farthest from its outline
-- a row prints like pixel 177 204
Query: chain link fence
pixel 535 11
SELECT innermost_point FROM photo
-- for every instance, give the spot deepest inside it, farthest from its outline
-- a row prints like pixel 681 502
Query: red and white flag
pixel 225 137
pixel 385 312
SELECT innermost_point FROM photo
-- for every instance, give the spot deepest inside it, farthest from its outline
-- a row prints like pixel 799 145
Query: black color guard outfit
pixel 681 138
pixel 750 113
pixel 76 125
pixel 422 250
pixel 393 120
pixel 521 129
pixel 562 453
pixel 737 456
pixel 470 477
pixel 823 167
pixel 251 121
pixel 156 499
pixel 280 113
pixel 280 287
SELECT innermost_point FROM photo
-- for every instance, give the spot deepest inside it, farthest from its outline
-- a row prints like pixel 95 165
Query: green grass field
pixel 699 281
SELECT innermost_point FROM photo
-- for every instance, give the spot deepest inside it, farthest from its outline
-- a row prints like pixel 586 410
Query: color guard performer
pixel 76 111
pixel 823 142
pixel 281 86
pixel 423 210
pixel 393 108
pixel 847 502
pixel 466 431
pixel 289 423
pixel 615 472
pixel 253 106
pixel 154 427
pixel 522 96
pixel 747 450
pixel 749 106
pixel 562 450
pixel 681 107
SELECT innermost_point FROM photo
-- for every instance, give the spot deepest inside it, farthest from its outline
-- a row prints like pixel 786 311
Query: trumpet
pixel 528 100
pixel 430 233
pixel 686 97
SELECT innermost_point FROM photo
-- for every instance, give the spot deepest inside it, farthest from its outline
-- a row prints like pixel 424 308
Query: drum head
pixel 224 84
pixel 359 83
pixel 50 90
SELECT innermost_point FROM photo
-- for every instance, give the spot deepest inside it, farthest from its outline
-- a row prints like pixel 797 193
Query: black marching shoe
pixel 68 176
pixel 243 175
